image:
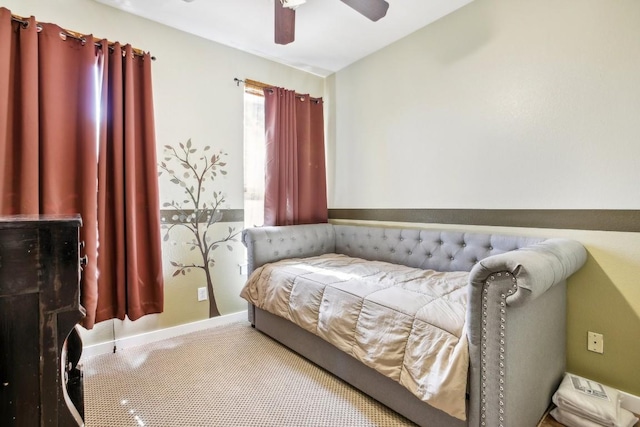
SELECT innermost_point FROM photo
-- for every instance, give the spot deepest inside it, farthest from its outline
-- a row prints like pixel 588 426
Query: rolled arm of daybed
pixel 534 269
pixel 516 326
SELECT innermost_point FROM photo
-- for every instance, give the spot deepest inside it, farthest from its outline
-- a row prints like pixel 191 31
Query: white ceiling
pixel 329 34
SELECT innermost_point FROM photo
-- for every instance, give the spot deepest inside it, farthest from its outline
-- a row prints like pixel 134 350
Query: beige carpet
pixel 230 376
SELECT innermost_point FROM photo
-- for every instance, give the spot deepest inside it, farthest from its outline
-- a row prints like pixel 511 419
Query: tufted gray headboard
pixel 270 244
pixel 438 250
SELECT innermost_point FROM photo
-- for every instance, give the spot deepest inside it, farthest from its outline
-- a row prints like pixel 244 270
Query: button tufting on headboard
pixel 439 250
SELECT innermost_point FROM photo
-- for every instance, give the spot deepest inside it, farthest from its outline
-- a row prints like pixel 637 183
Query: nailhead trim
pixel 503 321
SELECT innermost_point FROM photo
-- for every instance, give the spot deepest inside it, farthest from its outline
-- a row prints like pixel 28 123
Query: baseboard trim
pixel 630 402
pixel 162 334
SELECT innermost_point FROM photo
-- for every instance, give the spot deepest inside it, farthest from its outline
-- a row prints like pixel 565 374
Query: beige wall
pixel 538 99
pixel 511 105
pixel 195 97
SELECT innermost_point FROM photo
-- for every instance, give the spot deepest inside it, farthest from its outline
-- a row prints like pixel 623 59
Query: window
pixel 254 155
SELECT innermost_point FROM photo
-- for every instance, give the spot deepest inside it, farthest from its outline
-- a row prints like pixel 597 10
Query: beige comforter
pixel 406 323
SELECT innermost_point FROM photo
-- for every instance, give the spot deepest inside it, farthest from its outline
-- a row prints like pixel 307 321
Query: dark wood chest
pixel 40 266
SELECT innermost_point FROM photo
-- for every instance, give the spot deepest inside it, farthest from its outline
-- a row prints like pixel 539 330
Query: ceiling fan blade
pixel 285 23
pixel 372 9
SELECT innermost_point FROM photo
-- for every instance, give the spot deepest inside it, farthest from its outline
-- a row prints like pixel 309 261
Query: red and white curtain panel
pixel 73 143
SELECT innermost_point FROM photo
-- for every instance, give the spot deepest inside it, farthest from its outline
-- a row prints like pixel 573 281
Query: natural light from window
pixel 254 155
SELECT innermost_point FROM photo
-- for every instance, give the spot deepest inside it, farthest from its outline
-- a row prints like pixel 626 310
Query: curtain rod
pixel 260 85
pixel 76 36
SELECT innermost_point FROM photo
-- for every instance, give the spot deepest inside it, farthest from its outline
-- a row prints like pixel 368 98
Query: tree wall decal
pixel 197 212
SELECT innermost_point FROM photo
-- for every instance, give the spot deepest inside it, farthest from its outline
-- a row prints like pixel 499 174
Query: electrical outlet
pixel 243 269
pixel 202 294
pixel 595 342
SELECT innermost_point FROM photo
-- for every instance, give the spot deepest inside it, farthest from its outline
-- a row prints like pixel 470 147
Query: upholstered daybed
pixel 506 293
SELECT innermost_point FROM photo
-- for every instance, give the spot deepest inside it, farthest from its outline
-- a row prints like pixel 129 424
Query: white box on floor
pixel 585 403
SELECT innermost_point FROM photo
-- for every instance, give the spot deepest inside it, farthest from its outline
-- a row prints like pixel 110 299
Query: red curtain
pixel 49 158
pixel 295 172
pixel 131 280
pixel 19 181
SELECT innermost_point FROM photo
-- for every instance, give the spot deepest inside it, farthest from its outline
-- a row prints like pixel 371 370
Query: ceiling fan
pixel 285 15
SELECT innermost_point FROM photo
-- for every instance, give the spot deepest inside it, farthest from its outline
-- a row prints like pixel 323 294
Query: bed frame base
pixel 350 370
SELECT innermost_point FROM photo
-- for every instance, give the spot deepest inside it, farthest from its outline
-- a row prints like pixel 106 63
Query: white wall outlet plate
pixel 595 342
pixel 243 269
pixel 202 294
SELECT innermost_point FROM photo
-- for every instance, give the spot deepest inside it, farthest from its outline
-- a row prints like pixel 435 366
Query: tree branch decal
pixel 200 210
